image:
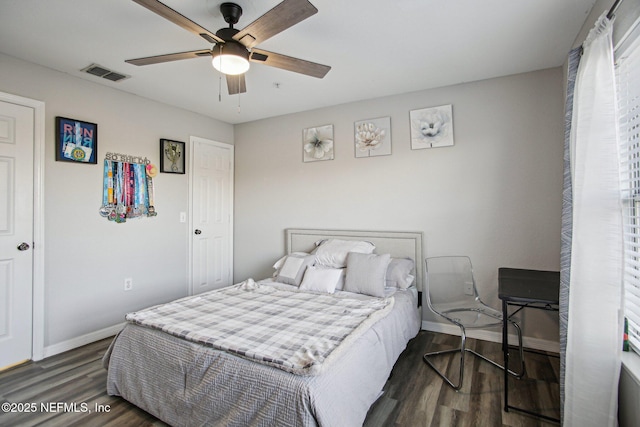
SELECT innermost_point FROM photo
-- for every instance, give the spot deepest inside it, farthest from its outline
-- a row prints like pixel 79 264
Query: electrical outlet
pixel 128 284
pixel 468 288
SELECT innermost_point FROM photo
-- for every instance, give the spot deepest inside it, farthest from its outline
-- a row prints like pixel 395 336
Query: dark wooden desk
pixel 525 289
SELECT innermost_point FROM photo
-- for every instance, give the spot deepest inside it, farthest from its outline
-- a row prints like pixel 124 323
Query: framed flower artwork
pixel 373 137
pixel 317 143
pixel 431 127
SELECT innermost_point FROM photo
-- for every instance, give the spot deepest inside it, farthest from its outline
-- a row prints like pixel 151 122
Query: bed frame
pixel 399 244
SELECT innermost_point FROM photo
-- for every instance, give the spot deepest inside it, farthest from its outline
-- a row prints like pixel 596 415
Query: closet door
pixel 211 215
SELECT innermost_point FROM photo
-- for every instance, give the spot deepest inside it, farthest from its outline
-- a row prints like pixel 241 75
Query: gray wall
pixel 88 257
pixel 495 195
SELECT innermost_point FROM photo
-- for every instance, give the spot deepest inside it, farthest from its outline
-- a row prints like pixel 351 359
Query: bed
pixel 194 379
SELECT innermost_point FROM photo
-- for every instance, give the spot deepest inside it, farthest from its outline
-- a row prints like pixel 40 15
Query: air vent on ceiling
pixel 100 71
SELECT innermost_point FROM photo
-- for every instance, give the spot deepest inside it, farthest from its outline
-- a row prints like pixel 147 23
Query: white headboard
pixel 399 244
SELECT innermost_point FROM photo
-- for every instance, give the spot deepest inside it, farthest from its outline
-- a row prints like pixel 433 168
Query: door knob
pixel 198 231
pixel 23 246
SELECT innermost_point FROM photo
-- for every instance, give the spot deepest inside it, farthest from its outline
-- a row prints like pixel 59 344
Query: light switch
pixel 183 217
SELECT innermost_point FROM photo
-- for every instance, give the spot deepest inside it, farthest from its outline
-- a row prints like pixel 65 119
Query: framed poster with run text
pixel 76 141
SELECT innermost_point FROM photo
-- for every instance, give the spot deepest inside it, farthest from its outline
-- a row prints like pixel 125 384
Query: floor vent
pixel 100 71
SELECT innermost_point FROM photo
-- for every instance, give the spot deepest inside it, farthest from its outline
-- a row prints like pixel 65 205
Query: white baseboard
pixel 493 336
pixel 63 346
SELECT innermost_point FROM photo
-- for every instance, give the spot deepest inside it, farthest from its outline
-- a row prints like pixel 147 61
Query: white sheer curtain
pixel 594 334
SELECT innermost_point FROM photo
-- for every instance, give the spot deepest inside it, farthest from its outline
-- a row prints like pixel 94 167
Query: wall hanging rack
pixel 127 189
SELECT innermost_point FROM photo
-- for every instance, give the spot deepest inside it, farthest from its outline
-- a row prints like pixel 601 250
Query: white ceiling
pixel 375 47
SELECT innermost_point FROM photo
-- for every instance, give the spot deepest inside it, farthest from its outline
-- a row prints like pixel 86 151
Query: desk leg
pixel 505 352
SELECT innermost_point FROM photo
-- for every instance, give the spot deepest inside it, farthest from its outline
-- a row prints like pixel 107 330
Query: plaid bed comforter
pixel 295 331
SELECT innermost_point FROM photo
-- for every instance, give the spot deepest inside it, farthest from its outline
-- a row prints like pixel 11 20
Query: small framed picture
pixel 372 137
pixel 431 127
pixel 76 141
pixel 172 154
pixel 317 143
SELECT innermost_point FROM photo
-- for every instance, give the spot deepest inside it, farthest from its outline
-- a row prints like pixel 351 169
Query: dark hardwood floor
pixel 414 395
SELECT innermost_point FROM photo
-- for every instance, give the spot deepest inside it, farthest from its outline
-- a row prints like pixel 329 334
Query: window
pixel 628 80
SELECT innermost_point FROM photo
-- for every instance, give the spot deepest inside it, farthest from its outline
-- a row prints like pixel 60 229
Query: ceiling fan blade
pixel 179 19
pixel 169 57
pixel 285 15
pixel 236 84
pixel 289 63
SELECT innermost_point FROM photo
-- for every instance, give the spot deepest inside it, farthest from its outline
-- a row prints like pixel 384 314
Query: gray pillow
pixel 293 269
pixel 399 273
pixel 366 273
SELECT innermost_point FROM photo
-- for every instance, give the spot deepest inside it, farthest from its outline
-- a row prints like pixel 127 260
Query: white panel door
pixel 16 232
pixel 211 215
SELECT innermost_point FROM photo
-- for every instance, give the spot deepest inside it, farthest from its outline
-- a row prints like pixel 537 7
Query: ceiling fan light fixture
pixel 230 58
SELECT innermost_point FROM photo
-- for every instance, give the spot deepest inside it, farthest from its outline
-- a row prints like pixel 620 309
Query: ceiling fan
pixel 233 49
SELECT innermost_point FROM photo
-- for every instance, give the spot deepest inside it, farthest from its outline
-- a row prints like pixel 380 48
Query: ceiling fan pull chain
pixel 238 103
pixel 220 89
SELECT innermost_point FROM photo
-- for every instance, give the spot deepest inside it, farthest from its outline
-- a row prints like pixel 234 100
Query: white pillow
pixel 293 269
pixel 333 252
pixel 399 273
pixel 320 279
pixel 366 273
pixel 343 274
